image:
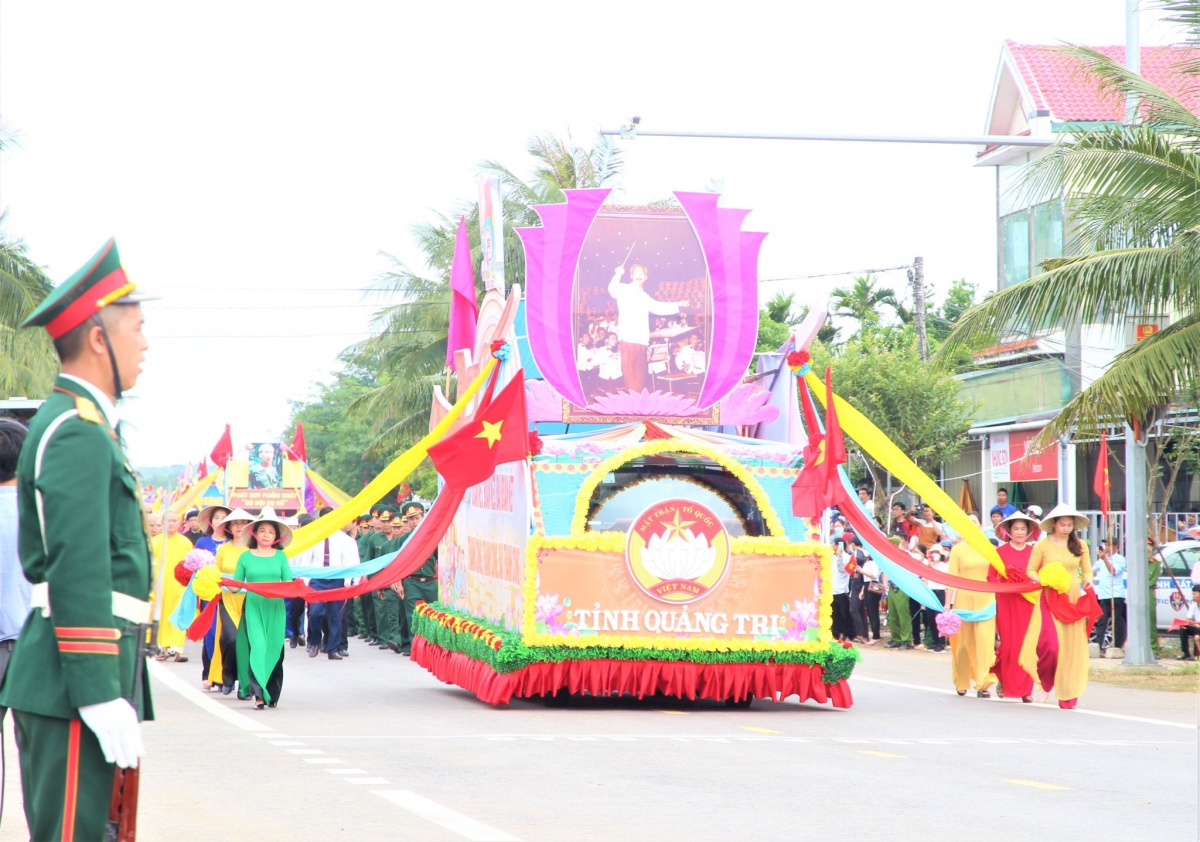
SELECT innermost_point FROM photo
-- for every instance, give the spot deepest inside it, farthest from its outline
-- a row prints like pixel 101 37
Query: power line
pixel 834 274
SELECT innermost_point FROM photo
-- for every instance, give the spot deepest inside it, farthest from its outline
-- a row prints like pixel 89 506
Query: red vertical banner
pixel 1101 482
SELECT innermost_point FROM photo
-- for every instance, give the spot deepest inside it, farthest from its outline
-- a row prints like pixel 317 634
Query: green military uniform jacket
pixel 83 534
pixel 429 568
pixel 376 542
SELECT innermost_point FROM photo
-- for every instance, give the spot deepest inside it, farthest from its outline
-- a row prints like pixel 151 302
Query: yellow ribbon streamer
pixel 185 501
pixel 871 439
pixel 390 477
pixel 339 496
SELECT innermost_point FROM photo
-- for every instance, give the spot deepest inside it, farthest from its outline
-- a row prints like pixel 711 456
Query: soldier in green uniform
pixel 387 600
pixel 375 544
pixel 75 681
pixel 419 586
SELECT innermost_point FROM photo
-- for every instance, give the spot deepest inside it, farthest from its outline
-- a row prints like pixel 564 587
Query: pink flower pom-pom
pixel 948 623
pixel 195 559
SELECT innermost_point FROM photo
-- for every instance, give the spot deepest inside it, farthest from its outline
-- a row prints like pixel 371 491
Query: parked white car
pixel 1181 558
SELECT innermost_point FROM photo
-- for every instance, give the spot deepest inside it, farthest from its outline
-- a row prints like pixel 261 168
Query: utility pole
pixel 1138 650
pixel 1141 597
pixel 916 277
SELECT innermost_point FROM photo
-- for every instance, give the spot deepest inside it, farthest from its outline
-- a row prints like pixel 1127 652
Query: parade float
pixel 632 498
pixel 648 545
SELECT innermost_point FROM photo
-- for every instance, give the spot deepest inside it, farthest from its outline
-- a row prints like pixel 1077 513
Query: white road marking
pixel 439 815
pixel 633 738
pixel 410 801
pixel 1087 712
pixel 202 701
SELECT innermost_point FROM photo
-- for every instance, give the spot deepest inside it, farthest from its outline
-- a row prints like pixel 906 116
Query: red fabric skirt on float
pixel 638 678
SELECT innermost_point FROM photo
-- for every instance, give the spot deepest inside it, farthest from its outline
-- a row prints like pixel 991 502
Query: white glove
pixel 116 727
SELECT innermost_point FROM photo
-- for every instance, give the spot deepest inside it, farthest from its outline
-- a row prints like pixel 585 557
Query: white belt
pixel 123 605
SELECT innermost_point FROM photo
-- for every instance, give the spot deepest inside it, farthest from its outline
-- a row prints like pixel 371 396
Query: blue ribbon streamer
pixel 365 568
pixel 977 616
pixel 185 612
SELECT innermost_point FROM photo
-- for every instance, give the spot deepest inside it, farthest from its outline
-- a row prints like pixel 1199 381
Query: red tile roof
pixel 1058 85
pixel 1006 348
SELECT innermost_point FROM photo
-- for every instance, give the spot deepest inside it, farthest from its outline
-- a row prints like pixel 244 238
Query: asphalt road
pixel 375 747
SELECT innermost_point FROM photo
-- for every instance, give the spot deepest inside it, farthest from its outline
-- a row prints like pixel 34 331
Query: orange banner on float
pixel 585 596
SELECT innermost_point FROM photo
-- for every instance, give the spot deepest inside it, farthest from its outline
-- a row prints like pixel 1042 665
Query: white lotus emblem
pixel 682 556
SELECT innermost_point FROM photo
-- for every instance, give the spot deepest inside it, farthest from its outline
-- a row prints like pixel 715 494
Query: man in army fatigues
pixel 374 547
pixel 419 586
pixel 75 680
pixel 386 600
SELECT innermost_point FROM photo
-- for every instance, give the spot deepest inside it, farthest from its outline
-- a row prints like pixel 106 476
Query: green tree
pixel 410 345
pixel 959 300
pixel 27 360
pixel 777 317
pixel 28 363
pixel 861 302
pixel 914 404
pixel 338 440
pixel 1131 194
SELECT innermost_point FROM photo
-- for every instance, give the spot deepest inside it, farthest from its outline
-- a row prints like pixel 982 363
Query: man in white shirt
pixel 634 308
pixel 325 619
pixel 1110 592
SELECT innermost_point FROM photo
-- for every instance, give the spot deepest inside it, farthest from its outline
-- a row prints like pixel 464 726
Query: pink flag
pixel 464 310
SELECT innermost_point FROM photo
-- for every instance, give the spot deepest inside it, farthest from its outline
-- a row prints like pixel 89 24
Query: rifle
pixel 123 804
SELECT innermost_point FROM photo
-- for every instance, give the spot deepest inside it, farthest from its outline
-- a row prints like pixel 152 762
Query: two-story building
pixel 1029 376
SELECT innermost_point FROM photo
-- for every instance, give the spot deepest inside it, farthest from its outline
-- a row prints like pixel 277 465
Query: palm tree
pixel 27 360
pixel 1132 194
pixel 861 302
pixel 408 353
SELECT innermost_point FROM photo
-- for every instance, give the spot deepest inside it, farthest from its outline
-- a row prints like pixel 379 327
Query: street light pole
pixel 633 130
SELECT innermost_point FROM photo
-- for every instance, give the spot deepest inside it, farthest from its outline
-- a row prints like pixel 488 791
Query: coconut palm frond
pixel 1130 185
pixel 1105 287
pixel 1143 380
pixel 408 351
pixel 1155 106
pixel 28 363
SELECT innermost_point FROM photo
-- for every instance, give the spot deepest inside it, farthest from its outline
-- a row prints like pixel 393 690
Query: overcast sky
pixel 254 160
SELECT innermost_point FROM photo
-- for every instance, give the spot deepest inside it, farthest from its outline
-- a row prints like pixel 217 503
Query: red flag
pixel 203 472
pixel 835 442
pixel 464 309
pixel 299 451
pixel 819 485
pixel 223 451
pixel 498 434
pixel 1101 483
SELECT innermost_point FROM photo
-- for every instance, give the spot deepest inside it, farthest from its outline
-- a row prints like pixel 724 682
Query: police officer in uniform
pixel 75 681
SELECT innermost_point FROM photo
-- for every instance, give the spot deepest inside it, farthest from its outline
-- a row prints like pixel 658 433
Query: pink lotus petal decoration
pixel 644 403
pixel 542 403
pixel 747 404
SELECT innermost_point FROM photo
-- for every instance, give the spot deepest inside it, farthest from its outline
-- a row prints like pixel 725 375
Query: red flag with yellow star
pixel 498 434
